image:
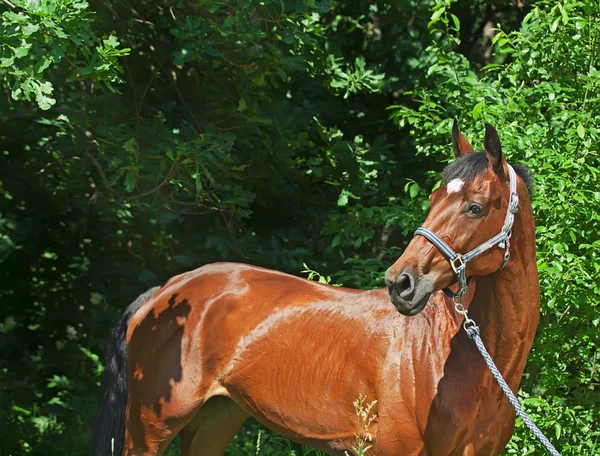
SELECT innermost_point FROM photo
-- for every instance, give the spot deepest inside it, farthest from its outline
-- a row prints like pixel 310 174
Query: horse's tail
pixel 109 432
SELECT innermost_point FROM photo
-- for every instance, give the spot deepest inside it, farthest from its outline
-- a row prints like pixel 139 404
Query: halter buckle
pixel 461 264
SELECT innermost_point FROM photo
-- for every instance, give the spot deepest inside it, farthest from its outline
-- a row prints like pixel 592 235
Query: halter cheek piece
pixel 459 262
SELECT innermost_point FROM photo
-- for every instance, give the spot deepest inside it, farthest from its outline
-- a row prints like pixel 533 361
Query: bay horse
pixel 225 342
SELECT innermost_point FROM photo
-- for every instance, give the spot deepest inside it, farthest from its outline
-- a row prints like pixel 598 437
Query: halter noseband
pixel 459 262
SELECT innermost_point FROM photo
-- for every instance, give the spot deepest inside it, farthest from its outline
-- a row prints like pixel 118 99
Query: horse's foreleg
pixel 211 430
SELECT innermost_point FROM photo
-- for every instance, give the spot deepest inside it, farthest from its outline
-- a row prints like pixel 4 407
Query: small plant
pixel 314 275
pixel 258 439
pixel 365 418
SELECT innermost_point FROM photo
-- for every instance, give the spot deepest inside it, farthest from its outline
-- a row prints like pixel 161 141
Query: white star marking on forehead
pixel 455 185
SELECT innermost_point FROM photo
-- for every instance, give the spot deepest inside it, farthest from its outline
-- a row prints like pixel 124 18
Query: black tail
pixel 112 400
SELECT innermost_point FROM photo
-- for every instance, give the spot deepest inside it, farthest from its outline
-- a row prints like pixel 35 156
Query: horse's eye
pixel 474 209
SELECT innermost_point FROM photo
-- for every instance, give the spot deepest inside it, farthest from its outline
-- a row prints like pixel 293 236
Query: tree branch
pixel 174 84
pixel 158 187
pixel 100 170
pixel 140 105
pixel 18 116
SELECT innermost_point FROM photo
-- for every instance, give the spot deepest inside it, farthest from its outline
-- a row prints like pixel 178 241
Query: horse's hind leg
pixel 150 429
pixel 149 438
pixel 213 427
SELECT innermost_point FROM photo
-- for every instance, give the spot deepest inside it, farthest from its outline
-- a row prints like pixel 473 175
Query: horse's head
pixel 467 210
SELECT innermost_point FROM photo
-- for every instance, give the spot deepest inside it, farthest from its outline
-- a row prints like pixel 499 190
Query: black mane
pixel 469 166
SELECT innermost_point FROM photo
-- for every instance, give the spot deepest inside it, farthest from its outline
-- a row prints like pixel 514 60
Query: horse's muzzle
pixel 409 292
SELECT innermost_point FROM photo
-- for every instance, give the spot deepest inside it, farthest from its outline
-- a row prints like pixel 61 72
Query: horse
pixel 212 347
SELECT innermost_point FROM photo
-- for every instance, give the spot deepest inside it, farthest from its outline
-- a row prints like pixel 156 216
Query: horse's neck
pixel 506 307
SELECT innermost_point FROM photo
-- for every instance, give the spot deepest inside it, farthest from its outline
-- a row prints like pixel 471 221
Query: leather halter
pixel 458 261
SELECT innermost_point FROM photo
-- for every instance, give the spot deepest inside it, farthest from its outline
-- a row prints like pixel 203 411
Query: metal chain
pixel 473 331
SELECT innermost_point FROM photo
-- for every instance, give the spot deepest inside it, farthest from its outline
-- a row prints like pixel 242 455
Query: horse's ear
pixel 460 145
pixel 493 149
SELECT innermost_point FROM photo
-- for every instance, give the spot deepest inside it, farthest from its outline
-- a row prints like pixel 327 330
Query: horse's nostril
pixel 402 286
pixel 403 283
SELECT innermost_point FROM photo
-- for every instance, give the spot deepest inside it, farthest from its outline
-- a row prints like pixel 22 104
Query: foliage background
pixel 142 138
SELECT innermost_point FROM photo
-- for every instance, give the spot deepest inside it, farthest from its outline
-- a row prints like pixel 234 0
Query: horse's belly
pixel 302 380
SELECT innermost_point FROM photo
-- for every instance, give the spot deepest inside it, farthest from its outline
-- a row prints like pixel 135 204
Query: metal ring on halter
pixel 453 262
pixel 448 292
pixel 471 327
pixel 514 198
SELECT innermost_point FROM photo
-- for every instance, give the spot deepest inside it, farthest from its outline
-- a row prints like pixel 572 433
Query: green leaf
pixel 198 183
pixel 581 131
pixel 42 92
pixel 336 240
pixel 456 21
pixel 43 64
pixel 130 181
pixel 14 17
pixel 477 109
pixel 22 50
pixel 342 199
pixel 181 56
pixel 437 14
pixel 131 146
pixel 30 29
pixel 414 190
pixel 111 42
pixel 6 62
pixel 212 51
pixel 16 93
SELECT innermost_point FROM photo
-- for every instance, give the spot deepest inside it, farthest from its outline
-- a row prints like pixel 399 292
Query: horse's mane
pixel 469 166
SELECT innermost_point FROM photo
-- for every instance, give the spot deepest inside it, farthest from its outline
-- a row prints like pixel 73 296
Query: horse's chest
pixel 446 413
pixel 478 417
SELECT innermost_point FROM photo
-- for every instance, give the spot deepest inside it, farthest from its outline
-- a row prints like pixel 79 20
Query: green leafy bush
pixel 141 139
pixel 39 37
pixel 542 94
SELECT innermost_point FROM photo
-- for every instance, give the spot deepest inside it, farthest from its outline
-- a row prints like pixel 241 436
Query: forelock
pixel 467 167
